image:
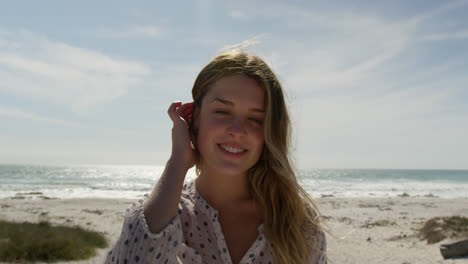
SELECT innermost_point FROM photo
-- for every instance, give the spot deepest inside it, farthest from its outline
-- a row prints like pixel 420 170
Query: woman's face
pixel 230 125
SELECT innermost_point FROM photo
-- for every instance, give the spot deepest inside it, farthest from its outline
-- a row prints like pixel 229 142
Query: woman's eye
pixel 223 112
pixel 258 121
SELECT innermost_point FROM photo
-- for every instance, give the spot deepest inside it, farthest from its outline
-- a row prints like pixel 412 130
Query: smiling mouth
pixel 231 149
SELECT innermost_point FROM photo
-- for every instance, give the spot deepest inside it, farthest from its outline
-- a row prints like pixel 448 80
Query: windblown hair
pixel 289 214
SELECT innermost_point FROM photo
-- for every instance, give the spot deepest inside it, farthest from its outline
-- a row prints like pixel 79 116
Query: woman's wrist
pixel 176 165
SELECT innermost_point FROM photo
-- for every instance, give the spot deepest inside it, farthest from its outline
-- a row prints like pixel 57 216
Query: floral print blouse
pixel 193 236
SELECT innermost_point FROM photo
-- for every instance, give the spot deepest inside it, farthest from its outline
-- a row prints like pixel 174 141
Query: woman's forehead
pixel 236 89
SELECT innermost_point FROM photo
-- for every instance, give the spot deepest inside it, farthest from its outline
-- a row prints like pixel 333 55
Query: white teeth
pixel 232 150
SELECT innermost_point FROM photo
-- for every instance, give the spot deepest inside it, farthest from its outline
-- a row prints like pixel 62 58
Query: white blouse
pixel 193 236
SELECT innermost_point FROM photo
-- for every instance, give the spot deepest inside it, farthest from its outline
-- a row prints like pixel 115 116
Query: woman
pixel 245 205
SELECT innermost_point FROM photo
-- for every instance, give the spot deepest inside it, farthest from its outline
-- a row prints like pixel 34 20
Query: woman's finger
pixel 172 111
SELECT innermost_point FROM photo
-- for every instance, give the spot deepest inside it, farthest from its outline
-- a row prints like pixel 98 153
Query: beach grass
pixel 439 228
pixel 30 242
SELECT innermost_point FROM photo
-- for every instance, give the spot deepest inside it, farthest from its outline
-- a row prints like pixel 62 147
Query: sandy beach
pixel 366 230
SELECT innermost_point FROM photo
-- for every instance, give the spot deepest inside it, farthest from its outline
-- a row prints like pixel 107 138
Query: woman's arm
pixel 151 232
pixel 162 204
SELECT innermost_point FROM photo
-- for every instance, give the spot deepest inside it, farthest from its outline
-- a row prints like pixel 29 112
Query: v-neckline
pixel 212 213
pixel 222 243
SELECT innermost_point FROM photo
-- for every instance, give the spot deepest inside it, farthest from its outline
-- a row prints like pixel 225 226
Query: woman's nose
pixel 237 127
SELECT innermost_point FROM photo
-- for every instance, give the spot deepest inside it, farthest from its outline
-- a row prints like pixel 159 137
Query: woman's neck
pixel 219 189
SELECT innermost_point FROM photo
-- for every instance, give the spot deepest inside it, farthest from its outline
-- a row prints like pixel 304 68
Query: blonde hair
pixel 290 218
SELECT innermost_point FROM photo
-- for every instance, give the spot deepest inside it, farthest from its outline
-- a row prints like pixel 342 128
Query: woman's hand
pixel 182 150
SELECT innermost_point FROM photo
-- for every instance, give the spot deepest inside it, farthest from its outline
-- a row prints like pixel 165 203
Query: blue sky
pixel 369 85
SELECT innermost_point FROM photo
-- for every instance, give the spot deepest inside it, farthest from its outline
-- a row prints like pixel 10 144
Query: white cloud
pixel 244 45
pixel 38 68
pixel 136 31
pixel 447 36
pixel 13 112
pixel 237 14
pixel 403 129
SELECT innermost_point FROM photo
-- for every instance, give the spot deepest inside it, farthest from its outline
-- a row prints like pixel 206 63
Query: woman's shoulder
pixel 315 236
pixel 317 243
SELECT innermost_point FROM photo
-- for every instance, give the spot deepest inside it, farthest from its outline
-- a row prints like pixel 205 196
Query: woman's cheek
pixel 257 131
pixel 217 122
pixel 260 138
pixel 212 121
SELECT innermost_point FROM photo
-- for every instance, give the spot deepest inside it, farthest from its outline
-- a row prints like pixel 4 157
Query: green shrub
pixel 44 242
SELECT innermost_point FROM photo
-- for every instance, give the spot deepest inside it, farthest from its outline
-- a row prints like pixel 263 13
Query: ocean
pixel 43 182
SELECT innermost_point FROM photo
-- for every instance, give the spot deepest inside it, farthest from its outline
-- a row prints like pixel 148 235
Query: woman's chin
pixel 229 169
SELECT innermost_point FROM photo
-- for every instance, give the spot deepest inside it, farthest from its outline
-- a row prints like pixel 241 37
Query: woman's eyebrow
pixel 227 102
pixel 223 101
